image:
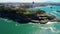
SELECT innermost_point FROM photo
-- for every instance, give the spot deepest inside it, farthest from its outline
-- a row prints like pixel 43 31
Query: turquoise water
pixel 51 10
pixel 11 27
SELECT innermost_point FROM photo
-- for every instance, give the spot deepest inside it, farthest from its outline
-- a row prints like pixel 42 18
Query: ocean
pixel 11 27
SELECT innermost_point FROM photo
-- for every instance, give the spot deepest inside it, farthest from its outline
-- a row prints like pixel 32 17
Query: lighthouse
pixel 33 6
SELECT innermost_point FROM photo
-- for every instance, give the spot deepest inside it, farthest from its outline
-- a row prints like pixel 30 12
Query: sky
pixel 29 0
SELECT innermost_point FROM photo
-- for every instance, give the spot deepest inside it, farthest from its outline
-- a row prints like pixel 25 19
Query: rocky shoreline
pixel 25 16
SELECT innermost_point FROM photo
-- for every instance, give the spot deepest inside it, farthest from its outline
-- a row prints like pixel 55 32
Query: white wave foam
pixel 39 23
pixel 16 24
pixel 31 23
pixel 44 28
pixel 5 19
pixel 50 22
pixel 52 29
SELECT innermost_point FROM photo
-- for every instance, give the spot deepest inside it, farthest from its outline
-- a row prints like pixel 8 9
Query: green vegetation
pixel 26 13
pixel 40 12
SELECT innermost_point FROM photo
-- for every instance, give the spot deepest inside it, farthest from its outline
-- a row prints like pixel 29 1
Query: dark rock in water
pixel 58 11
pixel 51 7
pixel 20 16
pixel 12 15
pixel 38 22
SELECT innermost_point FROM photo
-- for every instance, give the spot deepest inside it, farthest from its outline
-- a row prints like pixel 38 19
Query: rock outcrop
pixel 26 16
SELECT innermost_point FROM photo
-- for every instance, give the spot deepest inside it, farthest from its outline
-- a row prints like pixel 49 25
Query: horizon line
pixel 29 2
